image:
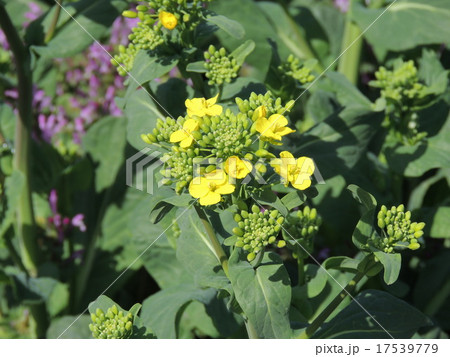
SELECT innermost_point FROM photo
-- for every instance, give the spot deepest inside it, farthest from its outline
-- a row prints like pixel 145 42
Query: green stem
pixel 52 28
pixel 212 237
pixel 321 318
pixel 25 216
pixel 301 271
pixel 351 49
pixel 252 334
pixel 25 223
pixel 438 300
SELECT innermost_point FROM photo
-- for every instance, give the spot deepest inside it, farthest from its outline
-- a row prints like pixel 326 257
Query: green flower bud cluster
pixel 302 225
pixel 179 167
pixel 272 104
pixel 295 69
pixel 400 83
pixel 227 134
pixel 112 325
pixel 143 37
pixel 163 130
pixel 398 232
pixel 221 67
pixel 257 230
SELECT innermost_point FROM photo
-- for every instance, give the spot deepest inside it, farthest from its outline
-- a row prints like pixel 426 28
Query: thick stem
pixel 25 217
pixel 319 320
pixel 25 224
pixel 212 237
pixel 251 332
pixel 351 46
pixel 52 28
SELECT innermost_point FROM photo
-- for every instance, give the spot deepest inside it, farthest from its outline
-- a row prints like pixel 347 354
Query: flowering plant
pixel 211 162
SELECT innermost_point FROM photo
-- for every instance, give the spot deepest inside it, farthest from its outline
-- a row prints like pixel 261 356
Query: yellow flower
pixel 184 136
pixel 168 20
pixel 237 168
pixel 297 172
pixel 201 106
pixel 210 187
pixel 259 112
pixel 273 129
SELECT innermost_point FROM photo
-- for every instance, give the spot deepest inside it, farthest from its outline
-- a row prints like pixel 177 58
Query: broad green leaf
pixel 142 113
pixel 264 293
pixel 432 72
pixel 105 142
pixel 268 197
pixel 146 67
pixel 242 87
pixel 293 199
pixel 287 30
pixel 424 19
pixel 160 311
pixel 171 95
pixel 155 244
pixel 92 20
pixel 392 263
pixel 103 303
pixel 363 197
pixel 441 219
pixel 241 53
pixel 345 264
pixel 196 253
pixel 417 196
pixel 231 27
pixel 396 317
pixel 79 327
pixel 315 280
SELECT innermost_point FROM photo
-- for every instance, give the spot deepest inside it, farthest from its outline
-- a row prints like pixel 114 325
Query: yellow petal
pixel 225 189
pixel 191 125
pixel 259 112
pixel 178 135
pixel 211 101
pixel 284 131
pixel 286 154
pixel 195 106
pixel 278 120
pixel 218 177
pixel 306 165
pixel 301 182
pixel 262 125
pixel 198 187
pixel 210 198
pixel 213 110
pixel 187 142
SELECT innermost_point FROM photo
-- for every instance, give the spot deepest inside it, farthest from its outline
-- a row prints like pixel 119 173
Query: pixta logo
pixel 141 169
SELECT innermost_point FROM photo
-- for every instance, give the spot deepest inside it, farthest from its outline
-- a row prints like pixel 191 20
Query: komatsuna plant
pixel 224 169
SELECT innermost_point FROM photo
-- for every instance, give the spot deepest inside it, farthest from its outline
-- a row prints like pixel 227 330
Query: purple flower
pixel 342 5
pixel 78 221
pixel 3 42
pixel 33 14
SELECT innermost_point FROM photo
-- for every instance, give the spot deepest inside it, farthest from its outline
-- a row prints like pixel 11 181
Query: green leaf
pixel 404 17
pixel 241 53
pixel 92 21
pixel 242 87
pixel 264 293
pixel 364 229
pixel 103 302
pixel 293 199
pixel 268 197
pixel 7 122
pixel 13 189
pixel 399 319
pixel 142 113
pixel 160 311
pixel 146 67
pixel 197 67
pixel 316 279
pixel 79 327
pixel 196 253
pixel 105 142
pixel 392 263
pixel 231 27
pixel 345 264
